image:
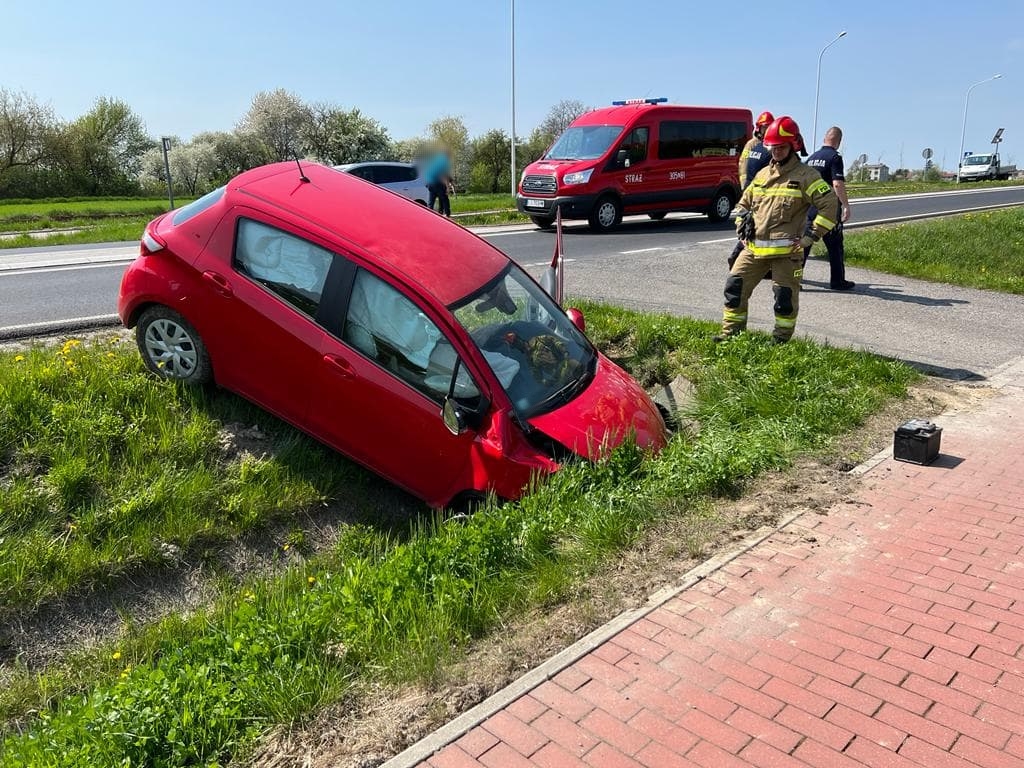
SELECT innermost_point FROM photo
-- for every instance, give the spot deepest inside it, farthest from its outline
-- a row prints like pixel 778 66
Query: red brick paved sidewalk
pixel 889 632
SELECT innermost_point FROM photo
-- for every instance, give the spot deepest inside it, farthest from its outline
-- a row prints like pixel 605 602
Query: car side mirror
pixel 622 158
pixel 453 417
pixel 576 318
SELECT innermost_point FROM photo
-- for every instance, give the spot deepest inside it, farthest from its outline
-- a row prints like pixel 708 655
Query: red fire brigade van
pixel 639 156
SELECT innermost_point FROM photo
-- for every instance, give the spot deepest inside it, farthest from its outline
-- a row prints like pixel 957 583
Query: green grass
pixel 79 208
pixel 979 250
pixel 379 606
pixel 102 467
pixel 879 188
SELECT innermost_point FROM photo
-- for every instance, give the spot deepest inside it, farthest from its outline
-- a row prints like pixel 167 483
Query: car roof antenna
pixel 302 177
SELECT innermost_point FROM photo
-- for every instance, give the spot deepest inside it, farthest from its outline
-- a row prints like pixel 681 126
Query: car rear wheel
pixel 171 347
pixel 544 222
pixel 606 214
pixel 721 206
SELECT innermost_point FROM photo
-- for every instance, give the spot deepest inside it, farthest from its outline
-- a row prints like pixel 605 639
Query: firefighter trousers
pixel 747 272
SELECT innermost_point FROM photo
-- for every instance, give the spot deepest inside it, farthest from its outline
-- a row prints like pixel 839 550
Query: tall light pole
pixel 513 174
pixel 963 131
pixel 817 90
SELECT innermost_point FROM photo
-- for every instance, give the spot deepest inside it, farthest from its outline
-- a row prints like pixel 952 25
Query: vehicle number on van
pixel 676 175
pixel 534 203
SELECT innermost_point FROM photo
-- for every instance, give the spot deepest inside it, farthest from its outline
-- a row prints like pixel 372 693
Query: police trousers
pixel 787 272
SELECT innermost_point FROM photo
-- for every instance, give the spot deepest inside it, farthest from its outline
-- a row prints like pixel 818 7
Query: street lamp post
pixel 817 89
pixel 513 173
pixel 963 131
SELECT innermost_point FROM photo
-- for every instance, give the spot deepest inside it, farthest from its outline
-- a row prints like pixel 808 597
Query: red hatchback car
pixel 382 329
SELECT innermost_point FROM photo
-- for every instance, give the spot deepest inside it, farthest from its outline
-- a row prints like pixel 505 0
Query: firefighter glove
pixel 744 225
pixel 808 240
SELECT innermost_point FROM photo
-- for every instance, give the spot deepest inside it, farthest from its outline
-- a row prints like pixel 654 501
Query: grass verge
pixel 979 250
pixel 104 469
pixel 397 606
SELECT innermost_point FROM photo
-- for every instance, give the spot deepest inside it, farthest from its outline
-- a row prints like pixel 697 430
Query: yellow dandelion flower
pixel 286 547
pixel 18 358
pixel 311 580
pixel 116 655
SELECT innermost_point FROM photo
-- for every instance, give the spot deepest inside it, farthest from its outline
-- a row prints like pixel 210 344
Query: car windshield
pixel 584 142
pixel 541 359
pixel 978 160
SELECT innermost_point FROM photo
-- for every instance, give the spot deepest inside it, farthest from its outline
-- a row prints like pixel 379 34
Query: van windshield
pixel 978 160
pixel 585 142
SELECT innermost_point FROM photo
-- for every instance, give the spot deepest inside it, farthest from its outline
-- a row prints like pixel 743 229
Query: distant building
pixel 877 171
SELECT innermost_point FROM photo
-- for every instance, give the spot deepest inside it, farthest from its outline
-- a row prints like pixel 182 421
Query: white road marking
pixel 36 269
pixel 642 250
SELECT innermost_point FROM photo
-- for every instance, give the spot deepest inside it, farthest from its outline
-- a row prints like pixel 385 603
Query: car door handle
pixel 219 282
pixel 341 366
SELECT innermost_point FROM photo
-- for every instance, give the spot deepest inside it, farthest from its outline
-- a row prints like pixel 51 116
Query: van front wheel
pixel 721 206
pixel 606 214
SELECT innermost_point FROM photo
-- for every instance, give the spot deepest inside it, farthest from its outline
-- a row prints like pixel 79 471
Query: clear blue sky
pixel 896 83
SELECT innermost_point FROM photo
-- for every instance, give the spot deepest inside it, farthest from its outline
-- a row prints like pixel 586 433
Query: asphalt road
pixel 676 265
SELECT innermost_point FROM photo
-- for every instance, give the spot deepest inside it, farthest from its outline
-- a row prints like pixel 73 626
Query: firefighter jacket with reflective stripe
pixel 744 156
pixel 778 199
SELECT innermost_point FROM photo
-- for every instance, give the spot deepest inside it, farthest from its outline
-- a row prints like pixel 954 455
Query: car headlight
pixel 577 177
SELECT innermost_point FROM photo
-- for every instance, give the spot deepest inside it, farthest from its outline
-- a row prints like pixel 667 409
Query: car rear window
pixel 196 207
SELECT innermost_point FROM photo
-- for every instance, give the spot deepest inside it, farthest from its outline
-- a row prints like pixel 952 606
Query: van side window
pixel 700 138
pixel 388 328
pixel 289 266
pixel 635 145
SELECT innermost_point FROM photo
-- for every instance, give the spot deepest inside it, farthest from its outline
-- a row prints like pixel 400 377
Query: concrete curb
pixel 31 330
pixel 1010 374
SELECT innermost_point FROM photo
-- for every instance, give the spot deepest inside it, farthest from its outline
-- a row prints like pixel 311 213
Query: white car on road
pixel 402 178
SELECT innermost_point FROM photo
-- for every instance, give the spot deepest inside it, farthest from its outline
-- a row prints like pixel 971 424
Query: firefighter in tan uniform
pixel 753 158
pixel 772 221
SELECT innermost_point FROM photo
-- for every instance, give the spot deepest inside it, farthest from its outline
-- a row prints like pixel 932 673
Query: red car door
pixel 379 390
pixel 263 285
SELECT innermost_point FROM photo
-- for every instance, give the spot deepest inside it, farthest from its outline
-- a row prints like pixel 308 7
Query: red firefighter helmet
pixel 784 130
pixel 764 119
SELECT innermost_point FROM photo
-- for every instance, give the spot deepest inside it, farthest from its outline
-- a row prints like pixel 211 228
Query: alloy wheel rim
pixel 171 348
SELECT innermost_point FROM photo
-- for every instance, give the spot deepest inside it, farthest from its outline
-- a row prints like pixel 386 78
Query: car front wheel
pixel 606 214
pixel 720 207
pixel 171 347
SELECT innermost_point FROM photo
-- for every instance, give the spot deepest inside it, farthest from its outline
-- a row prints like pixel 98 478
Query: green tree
pixel 280 120
pixel 233 153
pixel 335 136
pixel 26 128
pixel 559 117
pixel 492 154
pixel 101 152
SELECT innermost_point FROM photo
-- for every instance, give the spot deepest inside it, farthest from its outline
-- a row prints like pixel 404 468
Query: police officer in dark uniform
pixel 753 158
pixel 829 163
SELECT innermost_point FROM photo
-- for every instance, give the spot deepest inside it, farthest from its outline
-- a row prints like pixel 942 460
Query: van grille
pixel 539 184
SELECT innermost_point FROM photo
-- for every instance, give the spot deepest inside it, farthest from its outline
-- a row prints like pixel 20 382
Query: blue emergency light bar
pixel 627 102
